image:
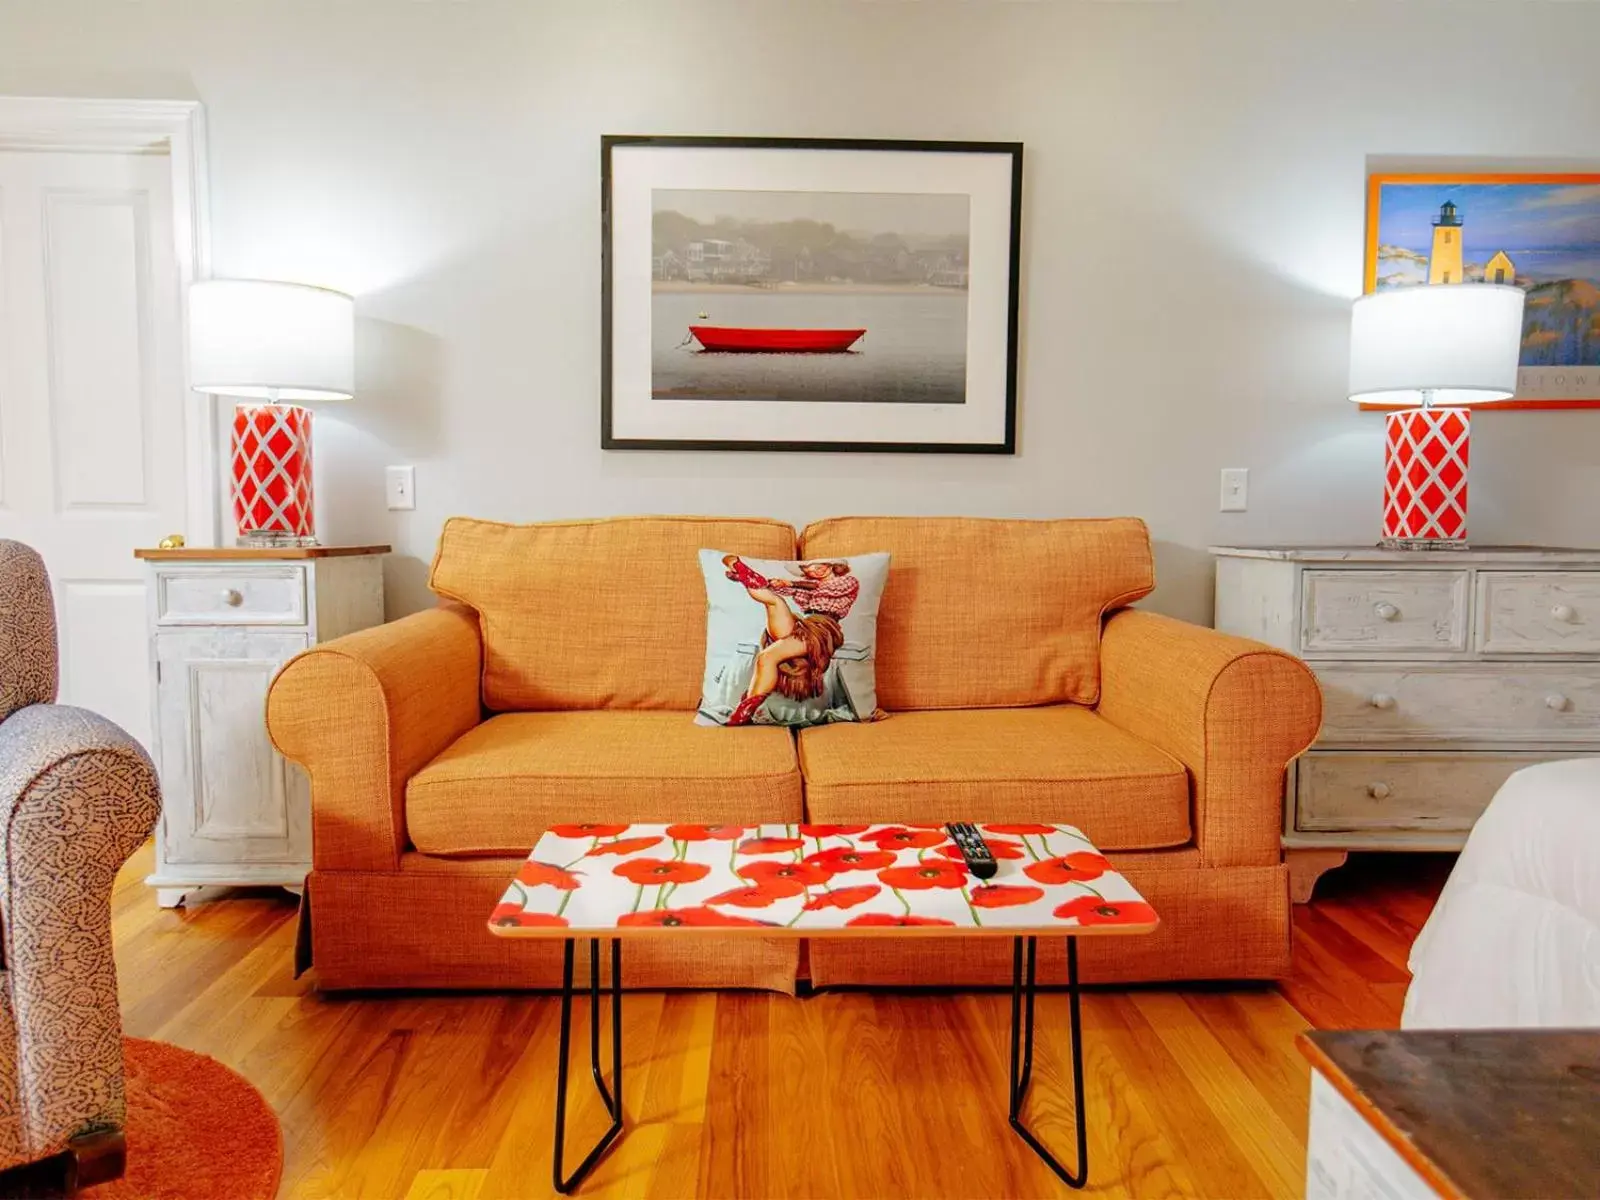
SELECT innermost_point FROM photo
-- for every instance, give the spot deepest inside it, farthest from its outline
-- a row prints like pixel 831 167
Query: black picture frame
pixel 609 439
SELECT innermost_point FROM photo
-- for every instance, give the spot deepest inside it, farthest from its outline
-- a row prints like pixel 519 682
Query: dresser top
pixel 1441 558
pixel 253 553
pixel 1481 1112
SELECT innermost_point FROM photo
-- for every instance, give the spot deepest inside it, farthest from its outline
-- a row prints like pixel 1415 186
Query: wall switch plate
pixel 400 487
pixel 1235 489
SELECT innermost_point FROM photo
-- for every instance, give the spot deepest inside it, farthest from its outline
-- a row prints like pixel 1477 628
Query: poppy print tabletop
pixel 807 879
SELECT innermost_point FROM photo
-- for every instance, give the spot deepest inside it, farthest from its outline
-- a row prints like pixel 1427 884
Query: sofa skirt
pixel 1216 923
pixel 426 926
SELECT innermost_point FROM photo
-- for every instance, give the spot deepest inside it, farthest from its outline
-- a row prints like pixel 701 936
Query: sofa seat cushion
pixel 1056 764
pixel 498 786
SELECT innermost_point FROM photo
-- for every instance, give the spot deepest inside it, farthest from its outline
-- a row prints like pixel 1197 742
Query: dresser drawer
pixel 1347 792
pixel 228 596
pixel 1539 612
pixel 1485 702
pixel 1374 611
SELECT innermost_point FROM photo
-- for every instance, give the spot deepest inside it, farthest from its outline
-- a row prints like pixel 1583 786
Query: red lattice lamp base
pixel 272 475
pixel 1425 478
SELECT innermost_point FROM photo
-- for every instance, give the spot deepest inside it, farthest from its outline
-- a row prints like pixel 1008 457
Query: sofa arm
pixel 1234 711
pixel 78 796
pixel 365 712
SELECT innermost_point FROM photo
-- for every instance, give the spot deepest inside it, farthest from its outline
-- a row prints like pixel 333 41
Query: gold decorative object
pixel 173 541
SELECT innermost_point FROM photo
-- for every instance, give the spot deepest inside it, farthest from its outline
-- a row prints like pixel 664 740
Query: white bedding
pixel 1515 938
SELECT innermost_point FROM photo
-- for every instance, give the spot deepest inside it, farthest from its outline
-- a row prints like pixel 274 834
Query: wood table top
pixel 805 880
pixel 1477 1113
pixel 252 553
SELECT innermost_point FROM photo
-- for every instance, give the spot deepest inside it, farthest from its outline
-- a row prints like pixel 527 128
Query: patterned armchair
pixel 77 796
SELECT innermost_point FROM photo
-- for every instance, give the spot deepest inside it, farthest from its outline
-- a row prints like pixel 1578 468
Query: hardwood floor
pixel 1191 1091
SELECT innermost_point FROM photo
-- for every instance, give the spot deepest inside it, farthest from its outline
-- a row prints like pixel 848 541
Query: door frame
pixel 176 129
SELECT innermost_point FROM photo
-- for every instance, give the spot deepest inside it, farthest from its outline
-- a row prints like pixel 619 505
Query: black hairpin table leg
pixel 612 1097
pixel 1022 998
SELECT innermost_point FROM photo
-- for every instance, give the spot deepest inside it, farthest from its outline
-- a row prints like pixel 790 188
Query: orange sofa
pixel 558 679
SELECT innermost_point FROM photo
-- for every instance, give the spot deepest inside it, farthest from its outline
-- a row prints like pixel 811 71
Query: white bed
pixel 1515 938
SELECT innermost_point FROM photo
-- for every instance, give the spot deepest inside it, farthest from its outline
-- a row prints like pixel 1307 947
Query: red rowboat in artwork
pixel 775 341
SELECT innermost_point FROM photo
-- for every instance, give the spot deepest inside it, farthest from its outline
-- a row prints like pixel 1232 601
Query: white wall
pixel 1193 231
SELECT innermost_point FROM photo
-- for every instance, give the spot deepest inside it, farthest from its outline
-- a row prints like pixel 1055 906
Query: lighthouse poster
pixel 809 294
pixel 1538 232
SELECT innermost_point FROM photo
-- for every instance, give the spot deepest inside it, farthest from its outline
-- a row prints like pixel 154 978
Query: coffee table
pixel 617 881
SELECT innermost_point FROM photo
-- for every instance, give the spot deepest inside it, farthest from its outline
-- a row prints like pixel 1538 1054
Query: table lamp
pixel 1436 349
pixel 274 346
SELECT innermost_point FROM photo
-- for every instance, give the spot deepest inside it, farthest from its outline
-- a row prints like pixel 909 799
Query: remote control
pixel 971 844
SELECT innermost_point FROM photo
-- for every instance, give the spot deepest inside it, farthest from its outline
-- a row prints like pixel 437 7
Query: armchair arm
pixel 78 796
pixel 1234 711
pixel 365 712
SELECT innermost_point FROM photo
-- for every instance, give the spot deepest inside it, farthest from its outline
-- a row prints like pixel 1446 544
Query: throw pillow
pixel 790 643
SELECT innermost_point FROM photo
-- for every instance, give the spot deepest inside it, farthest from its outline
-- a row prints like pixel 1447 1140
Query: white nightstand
pixel 1442 672
pixel 222 621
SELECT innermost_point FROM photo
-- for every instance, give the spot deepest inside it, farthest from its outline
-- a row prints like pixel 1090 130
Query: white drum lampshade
pixel 274 346
pixel 1438 347
pixel 1444 344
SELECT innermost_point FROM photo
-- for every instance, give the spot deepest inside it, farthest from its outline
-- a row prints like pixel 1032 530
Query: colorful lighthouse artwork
pixel 1445 260
pixel 1540 233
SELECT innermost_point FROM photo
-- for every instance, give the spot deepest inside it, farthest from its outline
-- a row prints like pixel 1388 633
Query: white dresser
pixel 1442 672
pixel 222 622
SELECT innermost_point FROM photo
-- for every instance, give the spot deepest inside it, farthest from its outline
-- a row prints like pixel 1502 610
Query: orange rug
pixel 196 1130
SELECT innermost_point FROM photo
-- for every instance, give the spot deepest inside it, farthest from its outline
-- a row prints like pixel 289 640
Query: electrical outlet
pixel 400 486
pixel 1235 489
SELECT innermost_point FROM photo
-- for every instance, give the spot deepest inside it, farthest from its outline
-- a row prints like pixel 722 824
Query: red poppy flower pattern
pixel 901 837
pixel 703 917
pixel 803 874
pixel 769 845
pixel 627 845
pixel 851 858
pixel 845 897
pixel 509 914
pixel 755 896
pixel 532 874
pixel 928 873
pixel 810 879
pixel 660 870
pixel 587 831
pixel 705 833
pixel 1097 910
pixel 1004 895
pixel 1076 867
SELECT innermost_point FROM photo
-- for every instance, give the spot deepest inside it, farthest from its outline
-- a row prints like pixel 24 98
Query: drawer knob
pixel 232 597
pixel 1381 700
pixel 1385 610
pixel 1563 612
pixel 1378 791
pixel 1556 701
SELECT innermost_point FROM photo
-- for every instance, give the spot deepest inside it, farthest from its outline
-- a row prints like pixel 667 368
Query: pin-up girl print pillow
pixel 790 643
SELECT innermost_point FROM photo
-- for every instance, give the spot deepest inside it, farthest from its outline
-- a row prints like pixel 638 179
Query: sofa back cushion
pixel 592 614
pixel 992 613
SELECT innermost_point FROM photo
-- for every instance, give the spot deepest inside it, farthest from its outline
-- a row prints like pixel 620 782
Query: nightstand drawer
pixel 228 596
pixel 1341 792
pixel 1483 702
pixel 1539 612
pixel 1370 611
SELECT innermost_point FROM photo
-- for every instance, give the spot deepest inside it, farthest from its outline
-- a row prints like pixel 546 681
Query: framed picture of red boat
pixel 809 294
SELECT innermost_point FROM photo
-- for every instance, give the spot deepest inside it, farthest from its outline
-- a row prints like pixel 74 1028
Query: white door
pixel 91 402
